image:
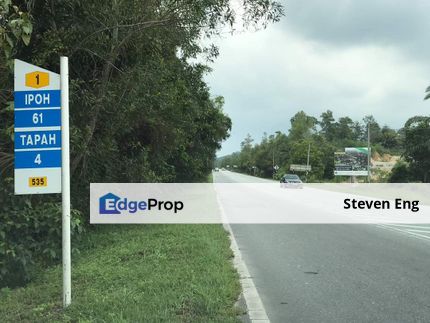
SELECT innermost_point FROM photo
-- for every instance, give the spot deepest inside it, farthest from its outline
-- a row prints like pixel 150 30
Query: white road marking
pixel 404 230
pixel 410 226
pixel 255 307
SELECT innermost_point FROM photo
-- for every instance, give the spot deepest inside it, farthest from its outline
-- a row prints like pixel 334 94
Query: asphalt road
pixel 337 273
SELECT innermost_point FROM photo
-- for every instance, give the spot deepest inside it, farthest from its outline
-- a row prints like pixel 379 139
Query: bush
pixel 30 233
pixel 400 173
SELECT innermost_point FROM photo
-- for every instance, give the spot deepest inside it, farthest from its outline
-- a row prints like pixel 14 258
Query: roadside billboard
pixel 351 162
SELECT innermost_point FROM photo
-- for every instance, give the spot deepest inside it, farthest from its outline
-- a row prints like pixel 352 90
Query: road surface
pixel 337 273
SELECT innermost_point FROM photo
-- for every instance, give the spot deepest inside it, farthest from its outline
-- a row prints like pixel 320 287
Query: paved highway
pixel 337 273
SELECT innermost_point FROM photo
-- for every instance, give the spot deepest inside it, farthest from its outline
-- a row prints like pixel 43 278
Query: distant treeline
pixel 324 136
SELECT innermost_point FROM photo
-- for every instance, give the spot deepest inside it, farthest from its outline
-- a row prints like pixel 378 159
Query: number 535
pixel 37 181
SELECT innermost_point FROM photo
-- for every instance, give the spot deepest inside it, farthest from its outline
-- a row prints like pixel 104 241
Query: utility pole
pixel 368 152
pixel 307 162
pixel 273 162
pixel 275 145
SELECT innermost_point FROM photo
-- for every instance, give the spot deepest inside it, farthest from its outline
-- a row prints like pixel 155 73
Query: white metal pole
pixel 65 181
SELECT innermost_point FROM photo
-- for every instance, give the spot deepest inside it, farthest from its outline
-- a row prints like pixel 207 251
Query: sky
pixel 354 57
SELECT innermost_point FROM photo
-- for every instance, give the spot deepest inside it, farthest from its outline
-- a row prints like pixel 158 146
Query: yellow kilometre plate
pixel 37 181
pixel 37 79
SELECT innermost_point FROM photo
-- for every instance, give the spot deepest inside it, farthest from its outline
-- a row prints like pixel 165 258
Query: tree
pixel 299 154
pixel 357 131
pixel 327 125
pixel 389 138
pixel 375 130
pixel 427 93
pixel 400 173
pixel 302 126
pixel 417 147
pixel 344 129
pixel 246 160
pixel 140 110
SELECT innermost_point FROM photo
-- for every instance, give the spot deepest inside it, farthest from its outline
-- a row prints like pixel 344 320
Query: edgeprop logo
pixel 112 204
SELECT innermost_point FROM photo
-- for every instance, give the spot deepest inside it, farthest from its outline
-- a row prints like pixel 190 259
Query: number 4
pixel 38 160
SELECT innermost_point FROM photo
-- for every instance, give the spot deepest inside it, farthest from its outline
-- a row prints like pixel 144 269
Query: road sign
pixel 300 168
pixel 42 163
pixel 37 130
pixel 276 167
pixel 351 162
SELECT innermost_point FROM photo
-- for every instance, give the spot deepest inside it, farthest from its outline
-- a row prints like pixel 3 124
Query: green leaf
pixel 9 41
pixel 27 28
pixel 26 39
pixel 9 106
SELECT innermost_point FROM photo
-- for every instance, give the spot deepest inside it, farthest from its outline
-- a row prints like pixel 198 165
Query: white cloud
pixel 267 76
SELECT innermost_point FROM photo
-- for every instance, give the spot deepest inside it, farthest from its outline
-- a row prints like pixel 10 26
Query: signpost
pixel 42 143
pixel 300 168
pixel 65 184
pixel 37 130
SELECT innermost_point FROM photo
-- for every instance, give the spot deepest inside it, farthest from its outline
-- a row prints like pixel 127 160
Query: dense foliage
pixel 323 136
pixel 140 110
pixel 417 149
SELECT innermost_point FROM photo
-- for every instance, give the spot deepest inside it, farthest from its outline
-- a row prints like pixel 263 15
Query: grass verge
pixel 139 273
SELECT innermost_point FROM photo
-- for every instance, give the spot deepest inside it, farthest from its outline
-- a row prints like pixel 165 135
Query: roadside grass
pixel 139 273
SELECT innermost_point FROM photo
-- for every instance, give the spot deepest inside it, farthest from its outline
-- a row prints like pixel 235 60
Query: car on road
pixel 291 181
pixel 216 169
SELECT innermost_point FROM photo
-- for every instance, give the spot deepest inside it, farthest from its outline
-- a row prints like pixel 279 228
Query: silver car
pixel 291 181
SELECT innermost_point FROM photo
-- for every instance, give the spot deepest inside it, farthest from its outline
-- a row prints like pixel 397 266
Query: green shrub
pixel 400 173
pixel 30 232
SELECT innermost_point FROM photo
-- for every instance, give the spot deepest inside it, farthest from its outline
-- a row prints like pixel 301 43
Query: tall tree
pixel 327 124
pixel 417 147
pixel 389 138
pixel 344 129
pixel 375 130
pixel 302 126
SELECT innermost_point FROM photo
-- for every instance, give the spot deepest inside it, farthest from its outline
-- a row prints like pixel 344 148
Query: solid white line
pixel 255 307
pixel 37 149
pixel 44 108
pixel 29 129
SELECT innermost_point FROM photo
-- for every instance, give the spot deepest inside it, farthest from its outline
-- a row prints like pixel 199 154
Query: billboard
pixel 351 162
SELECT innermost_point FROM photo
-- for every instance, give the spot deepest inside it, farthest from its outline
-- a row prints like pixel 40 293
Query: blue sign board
pixel 37 135
pixel 36 144
pixel 37 99
pixel 38 159
pixel 37 139
pixel 37 118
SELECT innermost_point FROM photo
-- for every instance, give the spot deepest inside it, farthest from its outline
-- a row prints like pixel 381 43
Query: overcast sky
pixel 354 57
